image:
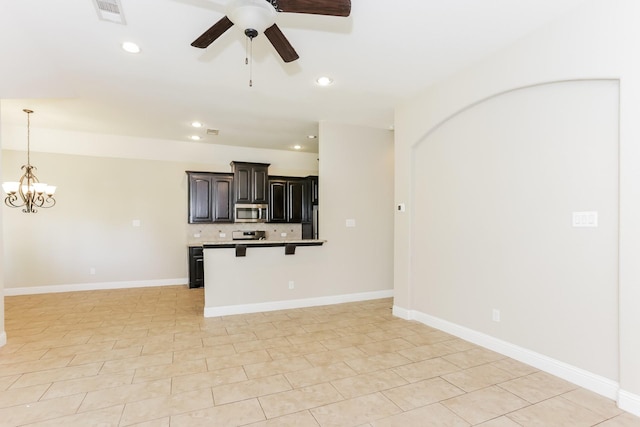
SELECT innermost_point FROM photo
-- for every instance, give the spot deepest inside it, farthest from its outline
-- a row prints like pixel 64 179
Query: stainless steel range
pixel 248 235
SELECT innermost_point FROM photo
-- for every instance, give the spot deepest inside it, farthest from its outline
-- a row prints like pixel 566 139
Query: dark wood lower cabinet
pixel 196 267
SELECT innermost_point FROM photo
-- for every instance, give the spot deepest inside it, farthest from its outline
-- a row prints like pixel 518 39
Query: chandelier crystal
pixel 29 192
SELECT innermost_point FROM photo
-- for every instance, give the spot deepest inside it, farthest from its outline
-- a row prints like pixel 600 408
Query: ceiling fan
pixel 258 16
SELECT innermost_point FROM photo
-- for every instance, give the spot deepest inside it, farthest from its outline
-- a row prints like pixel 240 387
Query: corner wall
pixel 3 334
pixel 597 41
pixel 100 194
pixel 355 183
pixel 494 191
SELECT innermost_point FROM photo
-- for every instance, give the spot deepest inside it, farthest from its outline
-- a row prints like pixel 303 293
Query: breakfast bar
pixel 258 275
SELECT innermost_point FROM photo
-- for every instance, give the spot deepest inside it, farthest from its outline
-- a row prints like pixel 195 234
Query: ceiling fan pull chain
pixel 248 48
pixel 251 62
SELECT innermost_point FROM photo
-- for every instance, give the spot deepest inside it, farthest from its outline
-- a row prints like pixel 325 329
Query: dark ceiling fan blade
pixel 281 44
pixel 315 7
pixel 213 33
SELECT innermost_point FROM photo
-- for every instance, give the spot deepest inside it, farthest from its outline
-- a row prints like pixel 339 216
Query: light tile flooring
pixel 147 357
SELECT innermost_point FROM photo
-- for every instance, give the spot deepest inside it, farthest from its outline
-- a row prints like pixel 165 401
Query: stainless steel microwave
pixel 251 212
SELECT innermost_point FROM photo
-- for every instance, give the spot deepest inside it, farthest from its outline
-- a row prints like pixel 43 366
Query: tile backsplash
pixel 201 233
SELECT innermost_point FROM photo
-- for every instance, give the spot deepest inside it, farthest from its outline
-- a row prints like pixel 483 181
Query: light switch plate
pixel 351 223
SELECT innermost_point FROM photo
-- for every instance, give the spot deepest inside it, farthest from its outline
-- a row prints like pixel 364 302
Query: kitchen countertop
pixel 260 243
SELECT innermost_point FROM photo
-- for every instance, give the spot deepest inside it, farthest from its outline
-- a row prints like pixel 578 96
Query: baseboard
pixel 629 402
pixel 3 338
pixel 401 313
pixel 93 286
pixel 578 376
pixel 296 303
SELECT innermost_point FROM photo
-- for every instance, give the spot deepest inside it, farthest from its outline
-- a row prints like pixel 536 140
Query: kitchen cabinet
pixel 251 182
pixel 313 188
pixel 210 197
pixel 277 200
pixel 310 224
pixel 196 267
pixel 289 200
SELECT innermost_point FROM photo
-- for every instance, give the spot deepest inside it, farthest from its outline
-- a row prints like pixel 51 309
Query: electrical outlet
pixel 495 315
pixel 92 271
pixel 291 284
pixel 283 234
pixel 222 234
pixel 585 219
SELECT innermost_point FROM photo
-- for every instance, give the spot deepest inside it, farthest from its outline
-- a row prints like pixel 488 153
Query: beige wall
pixel 596 42
pixel 494 189
pixel 99 197
pixel 356 182
pixel 3 335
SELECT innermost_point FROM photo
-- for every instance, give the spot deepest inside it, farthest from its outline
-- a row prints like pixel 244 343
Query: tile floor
pixel 147 357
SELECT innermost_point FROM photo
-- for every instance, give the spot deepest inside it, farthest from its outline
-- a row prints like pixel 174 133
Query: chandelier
pixel 29 192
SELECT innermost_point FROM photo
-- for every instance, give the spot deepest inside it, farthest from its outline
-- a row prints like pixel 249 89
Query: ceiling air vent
pixel 110 10
pixel 213 131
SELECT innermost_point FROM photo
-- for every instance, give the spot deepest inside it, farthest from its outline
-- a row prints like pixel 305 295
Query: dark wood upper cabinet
pixel 277 200
pixel 210 197
pixel 200 196
pixel 222 185
pixel 289 199
pixel 251 181
pixel 313 188
pixel 298 200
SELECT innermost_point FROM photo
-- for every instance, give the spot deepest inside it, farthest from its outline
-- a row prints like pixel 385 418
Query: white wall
pixel 596 42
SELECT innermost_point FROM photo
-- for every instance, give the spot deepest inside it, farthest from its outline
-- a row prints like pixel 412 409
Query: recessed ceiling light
pixel 312 136
pixel 196 137
pixel 297 147
pixel 130 47
pixel 196 124
pixel 324 81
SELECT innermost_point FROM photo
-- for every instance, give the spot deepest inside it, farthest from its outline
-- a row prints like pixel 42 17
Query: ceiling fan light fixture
pixel 255 15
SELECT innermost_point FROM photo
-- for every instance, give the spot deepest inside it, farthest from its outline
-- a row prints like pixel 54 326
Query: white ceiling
pixel 59 59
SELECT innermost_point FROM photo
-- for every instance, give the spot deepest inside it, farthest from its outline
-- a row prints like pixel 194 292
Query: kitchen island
pixel 260 275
